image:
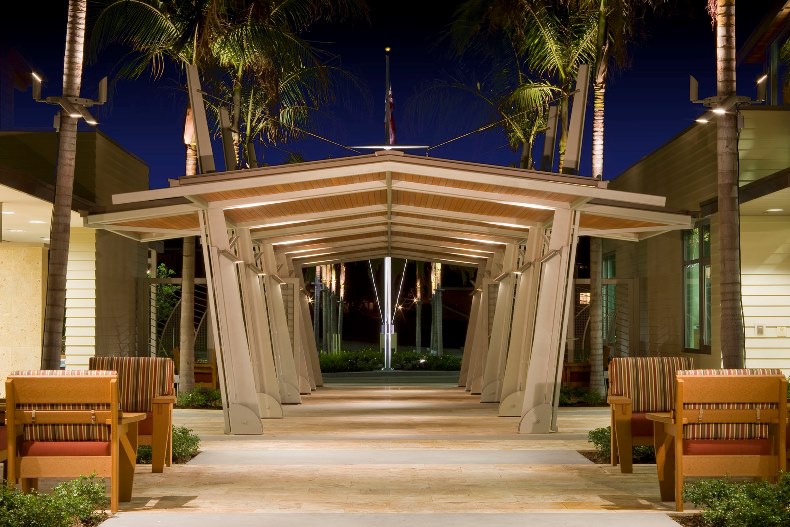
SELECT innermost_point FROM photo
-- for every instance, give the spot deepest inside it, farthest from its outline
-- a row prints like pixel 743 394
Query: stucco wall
pixel 22 293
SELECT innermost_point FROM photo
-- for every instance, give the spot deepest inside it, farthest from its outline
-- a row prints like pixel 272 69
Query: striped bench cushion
pixel 648 381
pixel 140 379
pixel 727 431
pixel 75 432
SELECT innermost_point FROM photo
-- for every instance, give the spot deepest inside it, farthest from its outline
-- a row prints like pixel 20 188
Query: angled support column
pixel 308 338
pixel 541 394
pixel 294 314
pixel 278 328
pixel 257 323
pixel 494 367
pixel 234 367
pixel 474 313
pixel 474 381
pixel 523 328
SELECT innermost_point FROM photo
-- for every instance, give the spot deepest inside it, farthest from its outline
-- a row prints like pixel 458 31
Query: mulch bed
pixel 688 520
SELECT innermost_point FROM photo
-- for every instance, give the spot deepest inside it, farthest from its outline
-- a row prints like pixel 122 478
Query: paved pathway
pixel 396 455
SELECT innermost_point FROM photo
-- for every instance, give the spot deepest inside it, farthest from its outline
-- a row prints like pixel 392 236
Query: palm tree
pixel 60 229
pixel 732 332
pixel 520 114
pixel 255 36
pixel 616 26
pixel 552 39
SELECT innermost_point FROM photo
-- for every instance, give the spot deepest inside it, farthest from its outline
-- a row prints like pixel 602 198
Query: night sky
pixel 647 104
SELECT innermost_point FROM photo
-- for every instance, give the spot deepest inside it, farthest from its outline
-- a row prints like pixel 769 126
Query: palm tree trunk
pixel 732 334
pixel 317 307
pixel 60 232
pixel 563 131
pixel 599 90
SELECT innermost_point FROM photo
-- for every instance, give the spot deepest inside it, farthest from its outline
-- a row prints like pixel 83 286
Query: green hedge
pixel 77 503
pixel 199 397
pixel 371 360
pixel 186 445
pixel 601 438
pixel 727 503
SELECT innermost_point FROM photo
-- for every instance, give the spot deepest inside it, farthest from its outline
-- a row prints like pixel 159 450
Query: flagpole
pixel 387 115
pixel 387 259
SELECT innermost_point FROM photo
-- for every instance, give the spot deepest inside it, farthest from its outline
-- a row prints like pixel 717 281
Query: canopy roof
pixel 386 204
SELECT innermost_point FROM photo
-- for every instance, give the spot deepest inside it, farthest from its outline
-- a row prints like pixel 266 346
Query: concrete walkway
pixel 418 454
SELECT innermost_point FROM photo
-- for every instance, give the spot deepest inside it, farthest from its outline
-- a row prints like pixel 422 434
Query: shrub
pixel 579 396
pixel 727 503
pixel 186 445
pixel 80 502
pixel 601 438
pixel 199 397
pixel 371 360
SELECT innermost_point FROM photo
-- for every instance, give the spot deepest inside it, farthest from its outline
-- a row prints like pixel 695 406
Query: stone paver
pixel 397 455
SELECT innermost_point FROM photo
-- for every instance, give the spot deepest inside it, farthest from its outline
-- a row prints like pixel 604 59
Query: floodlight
pixel 70 108
pixel 87 115
pixel 102 91
pixel 36 82
pixel 719 111
pixel 693 89
pixel 702 120
pixel 761 87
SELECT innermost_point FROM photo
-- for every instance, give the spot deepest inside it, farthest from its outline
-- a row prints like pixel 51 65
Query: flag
pixel 389 119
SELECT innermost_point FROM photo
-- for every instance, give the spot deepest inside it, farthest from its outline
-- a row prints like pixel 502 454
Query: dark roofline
pixel 772 27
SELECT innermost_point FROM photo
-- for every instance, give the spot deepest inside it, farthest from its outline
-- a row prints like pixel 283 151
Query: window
pixel 696 289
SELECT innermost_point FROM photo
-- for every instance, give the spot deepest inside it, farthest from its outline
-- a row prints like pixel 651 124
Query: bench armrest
pixel 618 400
pixel 164 399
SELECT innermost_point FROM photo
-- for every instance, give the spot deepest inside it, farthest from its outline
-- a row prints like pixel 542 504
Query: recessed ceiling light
pixel 15 230
pixel 8 212
pixel 774 210
pixel 37 221
pixel 45 238
pixel 702 120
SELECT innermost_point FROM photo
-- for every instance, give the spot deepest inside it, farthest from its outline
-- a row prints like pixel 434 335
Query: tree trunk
pixel 60 232
pixel 596 318
pixel 732 334
pixel 563 132
pixel 418 326
pixel 599 90
pixel 186 362
pixel 317 307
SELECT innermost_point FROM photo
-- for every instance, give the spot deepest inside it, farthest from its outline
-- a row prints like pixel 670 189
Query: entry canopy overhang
pixel 386 204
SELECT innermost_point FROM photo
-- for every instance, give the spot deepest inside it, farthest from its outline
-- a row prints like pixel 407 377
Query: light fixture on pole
pixel 722 105
pixel 76 107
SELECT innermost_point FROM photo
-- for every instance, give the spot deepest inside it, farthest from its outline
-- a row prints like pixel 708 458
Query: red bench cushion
pixel 640 425
pixel 65 448
pixel 727 447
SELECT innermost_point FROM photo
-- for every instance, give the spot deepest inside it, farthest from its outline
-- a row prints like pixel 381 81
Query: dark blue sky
pixel 646 104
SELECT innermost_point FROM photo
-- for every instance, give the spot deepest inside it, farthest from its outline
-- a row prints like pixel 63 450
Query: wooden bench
pixel 723 423
pixel 145 385
pixel 68 423
pixel 637 386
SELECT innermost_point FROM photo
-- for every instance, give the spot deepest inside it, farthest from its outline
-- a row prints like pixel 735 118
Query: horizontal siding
pixel 763 143
pixel 765 267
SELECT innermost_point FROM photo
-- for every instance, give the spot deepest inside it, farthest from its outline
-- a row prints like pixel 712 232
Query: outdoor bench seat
pixel 638 386
pixel 68 423
pixel 146 385
pixel 724 423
